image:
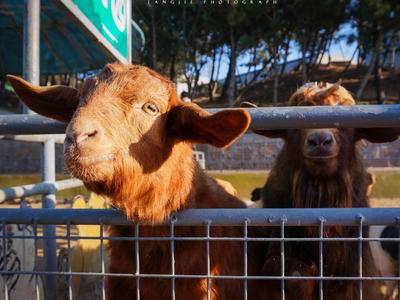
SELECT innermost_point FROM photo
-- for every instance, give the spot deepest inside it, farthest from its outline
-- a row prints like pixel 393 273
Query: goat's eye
pixel 150 108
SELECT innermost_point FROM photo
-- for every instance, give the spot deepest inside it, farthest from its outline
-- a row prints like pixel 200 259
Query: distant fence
pixel 255 152
pixel 250 152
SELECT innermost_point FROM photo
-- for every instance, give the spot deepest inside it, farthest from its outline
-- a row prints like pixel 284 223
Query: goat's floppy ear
pixel 190 123
pixel 273 134
pixel 268 133
pixel 56 102
pixel 378 135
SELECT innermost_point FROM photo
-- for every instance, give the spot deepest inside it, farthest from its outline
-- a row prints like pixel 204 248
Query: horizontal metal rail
pixel 197 276
pixel 362 116
pixel 29 124
pixel 34 138
pixel 216 217
pixel 38 189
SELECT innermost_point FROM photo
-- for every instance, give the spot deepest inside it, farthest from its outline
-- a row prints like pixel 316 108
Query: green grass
pixel 244 183
pixel 387 183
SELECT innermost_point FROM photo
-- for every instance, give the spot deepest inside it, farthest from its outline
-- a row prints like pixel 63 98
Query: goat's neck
pixel 154 196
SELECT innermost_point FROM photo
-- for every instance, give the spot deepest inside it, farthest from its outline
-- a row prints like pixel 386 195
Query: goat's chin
pixel 321 167
pixel 95 171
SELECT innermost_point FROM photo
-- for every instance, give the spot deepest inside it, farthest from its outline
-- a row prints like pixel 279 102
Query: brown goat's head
pixel 127 117
pixel 323 152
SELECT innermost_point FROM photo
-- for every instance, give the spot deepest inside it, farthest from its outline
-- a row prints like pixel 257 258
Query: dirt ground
pixel 385 202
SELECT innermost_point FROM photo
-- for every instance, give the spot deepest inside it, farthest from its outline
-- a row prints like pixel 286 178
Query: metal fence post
pixel 48 174
pixel 31 44
pixel 31 72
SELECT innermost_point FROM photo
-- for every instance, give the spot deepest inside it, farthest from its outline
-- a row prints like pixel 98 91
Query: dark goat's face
pixel 127 117
pixel 320 150
pixel 324 152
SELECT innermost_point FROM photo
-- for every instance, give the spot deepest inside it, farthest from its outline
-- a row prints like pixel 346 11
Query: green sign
pixel 109 21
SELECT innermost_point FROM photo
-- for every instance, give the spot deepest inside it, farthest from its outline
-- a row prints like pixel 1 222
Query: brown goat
pixel 321 168
pixel 130 138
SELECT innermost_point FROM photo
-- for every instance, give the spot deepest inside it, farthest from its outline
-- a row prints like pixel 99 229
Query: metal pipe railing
pixel 29 124
pixel 361 116
pixel 31 72
pixel 37 189
pixel 215 217
pixel 34 138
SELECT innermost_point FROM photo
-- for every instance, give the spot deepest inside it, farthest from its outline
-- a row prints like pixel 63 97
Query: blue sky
pixel 339 50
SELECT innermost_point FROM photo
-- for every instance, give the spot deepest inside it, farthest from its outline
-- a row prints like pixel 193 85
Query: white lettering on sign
pixel 118 11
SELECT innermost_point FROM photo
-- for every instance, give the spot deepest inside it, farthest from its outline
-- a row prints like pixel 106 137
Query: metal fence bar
pixel 3 223
pixel 282 244
pixel 49 201
pixel 213 277
pixel 262 118
pixel 208 260
pixel 245 232
pixel 226 239
pixel 35 268
pixel 31 43
pixel 362 116
pixel 69 263
pixel 29 124
pixel 172 249
pixel 137 258
pixel 34 138
pixel 321 258
pixel 37 189
pixel 102 261
pixel 360 254
pixel 398 268
pixel 218 217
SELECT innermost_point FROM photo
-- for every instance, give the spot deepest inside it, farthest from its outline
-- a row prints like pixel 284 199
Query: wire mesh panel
pixel 157 258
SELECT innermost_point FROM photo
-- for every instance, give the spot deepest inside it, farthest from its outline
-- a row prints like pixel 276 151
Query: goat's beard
pixel 98 176
pixel 319 192
pixel 322 192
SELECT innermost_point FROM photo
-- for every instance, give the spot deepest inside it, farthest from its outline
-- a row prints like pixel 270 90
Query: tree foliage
pixel 190 38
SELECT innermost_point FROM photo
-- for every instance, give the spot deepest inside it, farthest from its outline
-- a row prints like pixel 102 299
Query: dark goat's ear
pixel 273 134
pixel 268 133
pixel 188 122
pixel 57 102
pixel 378 135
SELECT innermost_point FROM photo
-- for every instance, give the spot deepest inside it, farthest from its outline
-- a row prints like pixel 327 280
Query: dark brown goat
pixel 130 138
pixel 321 168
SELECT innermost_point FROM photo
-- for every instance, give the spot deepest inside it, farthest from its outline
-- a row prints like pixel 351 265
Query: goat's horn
pixel 325 93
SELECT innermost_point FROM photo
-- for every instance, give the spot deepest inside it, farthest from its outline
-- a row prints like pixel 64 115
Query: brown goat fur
pixel 130 138
pixel 312 173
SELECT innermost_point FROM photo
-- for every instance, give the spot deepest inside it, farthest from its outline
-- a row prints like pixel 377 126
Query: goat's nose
pixel 82 134
pixel 320 139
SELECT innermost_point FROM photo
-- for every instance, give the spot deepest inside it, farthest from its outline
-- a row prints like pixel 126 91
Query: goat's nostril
pixel 327 142
pixel 92 134
pixel 69 139
pixel 320 139
pixel 311 141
